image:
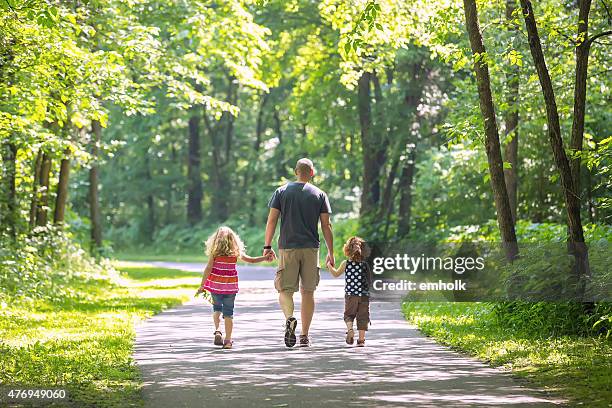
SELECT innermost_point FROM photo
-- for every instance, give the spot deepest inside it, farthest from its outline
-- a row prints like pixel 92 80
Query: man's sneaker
pixel 290 326
pixel 304 340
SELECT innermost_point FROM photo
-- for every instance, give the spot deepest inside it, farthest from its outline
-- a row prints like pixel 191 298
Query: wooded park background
pixel 132 129
pixel 138 123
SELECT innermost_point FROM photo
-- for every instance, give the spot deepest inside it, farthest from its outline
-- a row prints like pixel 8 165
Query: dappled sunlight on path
pixel 399 367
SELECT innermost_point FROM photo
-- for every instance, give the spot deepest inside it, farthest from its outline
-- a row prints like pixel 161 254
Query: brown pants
pixel 357 307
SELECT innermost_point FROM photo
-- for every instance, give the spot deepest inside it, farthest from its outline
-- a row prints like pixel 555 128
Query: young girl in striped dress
pixel 220 279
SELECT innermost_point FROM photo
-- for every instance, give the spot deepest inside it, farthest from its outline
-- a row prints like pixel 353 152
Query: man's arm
pixel 337 272
pixel 328 235
pixel 270 230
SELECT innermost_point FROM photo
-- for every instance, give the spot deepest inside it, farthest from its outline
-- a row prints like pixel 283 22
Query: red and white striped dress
pixel 223 278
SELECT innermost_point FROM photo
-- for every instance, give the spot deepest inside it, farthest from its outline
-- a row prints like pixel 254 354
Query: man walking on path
pixel 300 205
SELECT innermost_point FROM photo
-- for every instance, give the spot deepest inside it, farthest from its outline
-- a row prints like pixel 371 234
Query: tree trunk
pixel 381 124
pixel 280 149
pixel 387 201
pixel 35 184
pixel 371 185
pixel 381 135
pixel 221 143
pixel 11 180
pixel 387 198
pixel 582 65
pixel 194 180
pixel 41 214
pixel 412 99
pixel 405 188
pixel 576 243
pixel 572 200
pixel 149 226
pixel 590 202
pixel 494 157
pixel 62 190
pixel 94 201
pixel 171 189
pixel 252 178
pixel 151 217
pixel 511 121
pixel 541 202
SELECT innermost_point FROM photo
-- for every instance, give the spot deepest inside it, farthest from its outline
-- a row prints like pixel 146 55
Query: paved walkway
pixel 398 368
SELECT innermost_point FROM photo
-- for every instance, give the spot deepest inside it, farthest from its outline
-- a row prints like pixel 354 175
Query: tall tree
pixel 511 117
pixel 41 214
pixel 371 185
pixel 570 194
pixel 11 187
pixel 94 201
pixel 405 188
pixel 280 148
pixel 492 145
pixel 583 49
pixel 151 220
pixel 35 185
pixel 61 197
pixel 580 85
pixel 194 177
pixel 221 136
pixel 252 177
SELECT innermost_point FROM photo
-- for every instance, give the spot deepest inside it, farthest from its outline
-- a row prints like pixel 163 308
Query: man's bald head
pixel 304 169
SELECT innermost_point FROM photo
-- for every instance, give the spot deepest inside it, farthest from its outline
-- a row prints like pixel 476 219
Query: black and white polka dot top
pixel 356 279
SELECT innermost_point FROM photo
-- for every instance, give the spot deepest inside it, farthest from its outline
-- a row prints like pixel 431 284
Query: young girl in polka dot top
pixel 357 280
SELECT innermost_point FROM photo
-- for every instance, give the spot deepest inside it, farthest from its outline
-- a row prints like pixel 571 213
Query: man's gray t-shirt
pixel 300 205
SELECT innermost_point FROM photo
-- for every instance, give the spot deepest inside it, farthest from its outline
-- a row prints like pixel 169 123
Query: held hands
pixel 330 260
pixel 269 254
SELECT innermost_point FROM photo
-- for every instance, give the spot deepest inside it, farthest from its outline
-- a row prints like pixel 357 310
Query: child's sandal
pixel 350 336
pixel 227 344
pixel 218 338
pixel 361 343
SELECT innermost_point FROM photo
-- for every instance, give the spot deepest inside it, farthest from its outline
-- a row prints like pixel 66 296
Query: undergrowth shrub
pixel 552 319
pixel 45 265
pixel 544 270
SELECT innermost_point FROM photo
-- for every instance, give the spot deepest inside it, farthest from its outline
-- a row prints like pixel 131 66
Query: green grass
pixel 577 368
pixel 143 256
pixel 85 342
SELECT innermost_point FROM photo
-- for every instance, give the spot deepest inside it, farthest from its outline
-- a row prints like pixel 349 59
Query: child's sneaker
pixel 361 343
pixel 218 338
pixel 227 344
pixel 350 336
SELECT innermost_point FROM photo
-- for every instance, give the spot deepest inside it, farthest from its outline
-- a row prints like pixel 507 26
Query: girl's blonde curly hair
pixel 356 249
pixel 224 242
